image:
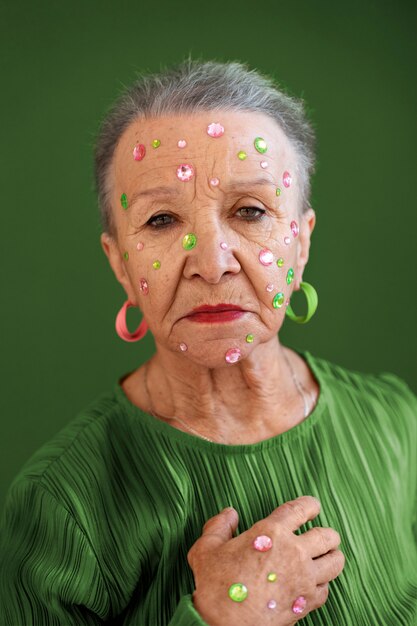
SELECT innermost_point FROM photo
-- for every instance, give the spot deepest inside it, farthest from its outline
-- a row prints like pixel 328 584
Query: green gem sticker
pixel 238 592
pixel 189 241
pixel 260 145
pixel 290 276
pixel 156 265
pixel 278 300
pixel 271 578
pixel 126 256
pixel 156 143
pixel 123 201
pixel 249 338
pixel 242 155
pixel 278 191
pixel 280 261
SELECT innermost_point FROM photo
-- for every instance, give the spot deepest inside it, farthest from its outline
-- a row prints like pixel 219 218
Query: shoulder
pixel 386 383
pixel 383 395
pixel 83 440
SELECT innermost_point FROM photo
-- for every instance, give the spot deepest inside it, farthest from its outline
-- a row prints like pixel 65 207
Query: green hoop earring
pixel 312 301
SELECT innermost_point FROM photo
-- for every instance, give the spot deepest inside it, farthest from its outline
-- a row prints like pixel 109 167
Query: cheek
pixel 154 273
pixel 274 275
pixel 273 267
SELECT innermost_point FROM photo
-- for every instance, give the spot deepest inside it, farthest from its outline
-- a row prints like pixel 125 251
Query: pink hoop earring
pixel 121 326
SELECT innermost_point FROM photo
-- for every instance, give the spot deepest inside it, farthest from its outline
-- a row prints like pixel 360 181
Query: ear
pixel 307 224
pixel 118 265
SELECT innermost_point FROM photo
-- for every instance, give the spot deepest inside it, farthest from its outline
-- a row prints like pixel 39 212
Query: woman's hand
pixel 304 565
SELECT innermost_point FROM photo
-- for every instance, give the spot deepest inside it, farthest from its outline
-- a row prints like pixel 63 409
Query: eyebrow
pixel 154 192
pixel 159 192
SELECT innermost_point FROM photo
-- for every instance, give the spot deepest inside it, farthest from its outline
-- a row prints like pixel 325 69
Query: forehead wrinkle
pixel 248 184
pixel 164 191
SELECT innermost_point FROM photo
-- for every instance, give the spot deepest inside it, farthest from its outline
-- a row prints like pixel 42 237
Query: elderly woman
pixel 229 479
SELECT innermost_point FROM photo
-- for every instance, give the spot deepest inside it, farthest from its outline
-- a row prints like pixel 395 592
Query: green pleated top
pixel 98 522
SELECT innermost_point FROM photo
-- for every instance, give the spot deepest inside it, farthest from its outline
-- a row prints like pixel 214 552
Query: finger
pixel 220 528
pixel 318 541
pixel 216 531
pixel 329 566
pixel 294 513
pixel 322 593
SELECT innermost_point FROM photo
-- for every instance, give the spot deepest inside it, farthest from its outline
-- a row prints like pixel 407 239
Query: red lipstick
pixel 218 313
pixel 209 308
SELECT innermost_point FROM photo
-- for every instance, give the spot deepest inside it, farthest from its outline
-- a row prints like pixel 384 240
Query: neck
pixel 257 396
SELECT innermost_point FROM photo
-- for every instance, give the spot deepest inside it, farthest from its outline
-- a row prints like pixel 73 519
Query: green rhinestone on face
pixel 238 592
pixel 241 155
pixel 278 300
pixel 156 143
pixel 280 261
pixel 278 191
pixel 260 145
pixel 126 256
pixel 123 200
pixel 290 276
pixel 189 241
pixel 271 578
pixel 156 265
pixel 249 338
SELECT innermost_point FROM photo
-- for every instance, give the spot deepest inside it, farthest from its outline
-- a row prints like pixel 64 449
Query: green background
pixel 63 63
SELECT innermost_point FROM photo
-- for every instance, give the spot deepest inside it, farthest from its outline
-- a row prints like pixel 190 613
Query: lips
pixel 208 308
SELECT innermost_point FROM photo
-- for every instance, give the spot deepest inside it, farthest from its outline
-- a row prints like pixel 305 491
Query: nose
pixel 208 259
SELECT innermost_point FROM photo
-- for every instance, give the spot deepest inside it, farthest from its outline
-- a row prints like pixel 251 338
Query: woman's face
pixel 235 197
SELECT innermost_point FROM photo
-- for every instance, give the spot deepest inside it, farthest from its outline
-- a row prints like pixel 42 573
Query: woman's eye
pixel 160 220
pixel 248 213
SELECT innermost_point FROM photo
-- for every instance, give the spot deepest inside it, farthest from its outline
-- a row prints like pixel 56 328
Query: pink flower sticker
pixel 185 172
pixel 215 130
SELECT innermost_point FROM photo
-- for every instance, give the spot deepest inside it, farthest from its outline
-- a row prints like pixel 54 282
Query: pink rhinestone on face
pixel 272 604
pixel 233 355
pixel 215 130
pixel 287 241
pixel 262 543
pixel 185 172
pixel 143 286
pixel 266 257
pixel 139 152
pixel 223 245
pixel 299 605
pixel 181 143
pixel 264 164
pixel 270 287
pixel 294 228
pixel 286 179
pixel 139 246
pixel 214 182
pixel 183 347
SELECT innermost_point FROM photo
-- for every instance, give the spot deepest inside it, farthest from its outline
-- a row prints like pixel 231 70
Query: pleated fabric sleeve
pixel 99 521
pixel 49 574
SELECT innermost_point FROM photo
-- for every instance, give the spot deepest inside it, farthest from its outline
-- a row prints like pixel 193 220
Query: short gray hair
pixel 193 86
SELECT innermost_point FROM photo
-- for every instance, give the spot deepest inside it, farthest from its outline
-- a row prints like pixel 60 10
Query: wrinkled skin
pixel 304 565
